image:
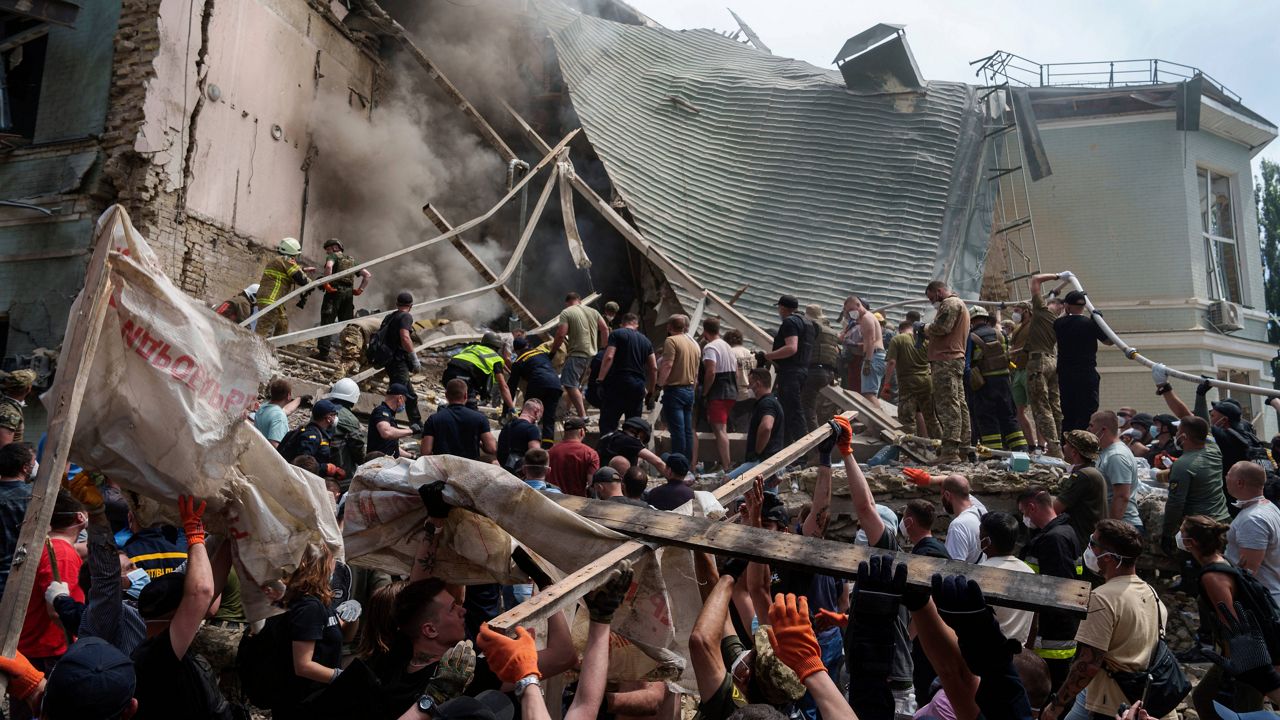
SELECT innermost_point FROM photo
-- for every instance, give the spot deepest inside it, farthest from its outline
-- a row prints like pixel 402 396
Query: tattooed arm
pixel 1087 664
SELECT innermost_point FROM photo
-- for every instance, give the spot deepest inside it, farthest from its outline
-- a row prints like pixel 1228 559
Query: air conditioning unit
pixel 1225 315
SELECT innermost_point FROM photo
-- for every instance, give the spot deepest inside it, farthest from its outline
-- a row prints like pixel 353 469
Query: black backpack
pixel 265 663
pixel 291 444
pixel 378 352
pixel 1254 596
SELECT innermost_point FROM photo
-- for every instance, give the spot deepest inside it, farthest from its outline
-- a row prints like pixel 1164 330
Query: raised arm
pixel 197 589
pixel 864 503
pixel 602 603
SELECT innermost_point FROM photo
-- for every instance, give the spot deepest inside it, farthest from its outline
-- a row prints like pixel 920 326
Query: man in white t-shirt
pixel 966 512
pixel 1115 462
pixel 997 536
pixel 1253 542
pixel 719 386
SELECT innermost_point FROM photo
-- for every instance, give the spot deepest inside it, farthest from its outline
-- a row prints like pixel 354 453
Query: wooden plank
pixel 779 460
pixel 513 302
pixel 24 37
pixel 1025 591
pixel 84 330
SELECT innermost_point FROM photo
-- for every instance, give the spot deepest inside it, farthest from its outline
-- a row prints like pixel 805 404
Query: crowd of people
pixel 127 620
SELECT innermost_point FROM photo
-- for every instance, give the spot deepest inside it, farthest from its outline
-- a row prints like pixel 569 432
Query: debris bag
pixel 165 415
pixel 383 528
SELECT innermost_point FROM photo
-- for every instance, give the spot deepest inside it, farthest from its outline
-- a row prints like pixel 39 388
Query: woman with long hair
pixel 379 634
pixel 313 630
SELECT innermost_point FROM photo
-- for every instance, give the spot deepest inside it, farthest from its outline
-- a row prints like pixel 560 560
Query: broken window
pixel 1218 226
pixel 22 50
pixel 1243 377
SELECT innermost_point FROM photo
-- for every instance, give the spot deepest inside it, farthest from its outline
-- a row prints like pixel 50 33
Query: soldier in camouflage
pixel 15 386
pixel 947 336
pixel 1042 366
pixel 339 293
pixel 909 363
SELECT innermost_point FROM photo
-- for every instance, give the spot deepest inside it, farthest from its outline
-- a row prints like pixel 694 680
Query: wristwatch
pixel 427 705
pixel 523 684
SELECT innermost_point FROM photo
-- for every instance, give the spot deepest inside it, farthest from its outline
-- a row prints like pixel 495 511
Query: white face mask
pixel 1091 560
pixel 1026 520
pixel 902 528
pixel 1239 504
pixel 1177 540
pixel 1017 317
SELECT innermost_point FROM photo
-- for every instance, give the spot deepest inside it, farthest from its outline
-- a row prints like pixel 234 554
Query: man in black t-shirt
pixel 792 348
pixel 916 526
pixel 1053 550
pixel 1078 338
pixel 764 434
pixel 384 431
pixel 676 492
pixel 628 372
pixel 456 429
pixel 520 436
pixel 630 444
pixel 397 334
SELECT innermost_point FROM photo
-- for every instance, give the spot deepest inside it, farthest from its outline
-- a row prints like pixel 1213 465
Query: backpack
pixel 1162 684
pixel 1254 596
pixel 291 444
pixel 377 351
pixel 265 663
pixel 805 342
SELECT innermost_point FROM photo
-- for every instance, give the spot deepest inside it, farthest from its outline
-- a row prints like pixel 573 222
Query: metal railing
pixel 1001 67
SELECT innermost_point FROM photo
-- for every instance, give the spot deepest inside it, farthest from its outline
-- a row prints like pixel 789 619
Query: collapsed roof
pixel 751 169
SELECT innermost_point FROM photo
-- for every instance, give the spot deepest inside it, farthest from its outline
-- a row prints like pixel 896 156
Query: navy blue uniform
pixel 375 442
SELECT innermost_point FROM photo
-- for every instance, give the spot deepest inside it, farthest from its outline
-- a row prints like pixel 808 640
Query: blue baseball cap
pixel 324 407
pixel 677 463
pixel 93 679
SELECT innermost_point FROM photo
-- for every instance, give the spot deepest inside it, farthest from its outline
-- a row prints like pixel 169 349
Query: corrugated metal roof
pixel 748 168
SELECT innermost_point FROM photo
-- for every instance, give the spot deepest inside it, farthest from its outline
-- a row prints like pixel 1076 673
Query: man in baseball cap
pixel 1078 337
pixel 1083 495
pixel 792 349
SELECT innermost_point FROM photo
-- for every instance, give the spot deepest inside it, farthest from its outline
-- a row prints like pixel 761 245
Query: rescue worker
pixel 481 366
pixel 348 443
pixel 279 278
pixel 792 349
pixel 909 363
pixel 542 382
pixel 238 308
pixel 317 439
pixel 946 335
pixel 1040 346
pixel 385 432
pixel 822 365
pixel 395 337
pixel 1053 550
pixel 989 376
pixel 1078 338
pixel 339 294
pixel 15 386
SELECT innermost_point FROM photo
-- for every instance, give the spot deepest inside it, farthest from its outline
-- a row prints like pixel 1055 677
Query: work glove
pixel 414 363
pixel 1159 374
pixel 333 471
pixel 453 674
pixel 1205 386
pixel 961 605
pixel 358 292
pixel 828 619
pixel 829 442
pixel 24 678
pixel 604 601
pixel 918 476
pixel 83 488
pixel 844 441
pixel 1066 275
pixel 191 514
pixel 432 495
pixel 349 611
pixel 792 636
pixel 55 590
pixel 509 658
pixel 305 401
pixel 416 428
pixel 874 612
pixel 761 360
pixel 1249 660
pixel 329 288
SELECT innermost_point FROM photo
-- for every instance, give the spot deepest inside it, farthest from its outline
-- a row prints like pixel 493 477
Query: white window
pixel 1243 377
pixel 1218 225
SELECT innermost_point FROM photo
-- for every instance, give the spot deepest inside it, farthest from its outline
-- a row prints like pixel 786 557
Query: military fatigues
pixel 279 278
pixel 347 445
pixel 478 365
pixel 11 417
pixel 993 401
pixel 339 304
pixel 237 309
pixel 822 372
pixel 915 388
pixel 947 334
pixel 1042 373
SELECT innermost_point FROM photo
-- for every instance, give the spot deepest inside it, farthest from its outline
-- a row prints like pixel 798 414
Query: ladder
pixel 1013 229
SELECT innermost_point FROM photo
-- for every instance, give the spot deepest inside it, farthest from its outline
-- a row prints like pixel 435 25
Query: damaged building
pixel 709 172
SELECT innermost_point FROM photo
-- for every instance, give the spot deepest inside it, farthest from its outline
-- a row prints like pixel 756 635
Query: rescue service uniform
pixel 338 303
pixel 993 400
pixel 237 309
pixel 477 365
pixel 1054 550
pixel 279 278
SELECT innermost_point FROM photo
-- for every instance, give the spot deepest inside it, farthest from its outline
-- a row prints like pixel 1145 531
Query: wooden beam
pixel 24 37
pixel 1025 591
pixel 513 302
pixel 776 462
pixel 62 12
pixel 84 330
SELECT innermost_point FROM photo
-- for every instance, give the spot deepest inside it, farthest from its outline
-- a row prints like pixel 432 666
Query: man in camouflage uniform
pixel 910 362
pixel 16 386
pixel 339 294
pixel 822 367
pixel 279 278
pixel 1042 366
pixel 947 335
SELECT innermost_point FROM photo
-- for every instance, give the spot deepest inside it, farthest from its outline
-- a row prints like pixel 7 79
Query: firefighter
pixel 279 278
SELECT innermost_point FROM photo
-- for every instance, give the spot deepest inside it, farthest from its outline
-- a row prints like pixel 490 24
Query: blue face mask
pixel 138 579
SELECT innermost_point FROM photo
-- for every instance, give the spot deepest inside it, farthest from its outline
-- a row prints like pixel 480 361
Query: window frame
pixel 1217 277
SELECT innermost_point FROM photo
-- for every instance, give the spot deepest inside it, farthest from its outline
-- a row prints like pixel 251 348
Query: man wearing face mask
pixel 1083 495
pixel 1053 550
pixel 966 513
pixel 1195 481
pixel 1124 621
pixel 997 536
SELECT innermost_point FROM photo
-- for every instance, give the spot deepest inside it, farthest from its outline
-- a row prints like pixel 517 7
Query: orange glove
pixel 917 476
pixel 358 291
pixel 844 443
pixel 509 659
pixel 329 288
pixel 335 472
pixel 192 525
pixel 23 677
pixel 792 636
pixel 83 489
pixel 826 619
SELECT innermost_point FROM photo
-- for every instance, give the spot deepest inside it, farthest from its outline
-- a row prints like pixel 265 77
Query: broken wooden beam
pixel 509 297
pixel 776 462
pixel 1024 591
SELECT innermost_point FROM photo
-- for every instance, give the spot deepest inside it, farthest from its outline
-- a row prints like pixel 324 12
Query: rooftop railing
pixel 1001 67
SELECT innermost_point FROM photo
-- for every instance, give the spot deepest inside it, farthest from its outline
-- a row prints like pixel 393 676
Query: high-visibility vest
pixel 480 356
pixel 277 279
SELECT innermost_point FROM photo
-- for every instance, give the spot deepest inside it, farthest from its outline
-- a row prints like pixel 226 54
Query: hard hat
pixel 333 241
pixel 252 291
pixel 289 246
pixel 978 311
pixel 346 389
pixel 492 341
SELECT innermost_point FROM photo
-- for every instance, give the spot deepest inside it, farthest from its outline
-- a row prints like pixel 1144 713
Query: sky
pixel 1232 41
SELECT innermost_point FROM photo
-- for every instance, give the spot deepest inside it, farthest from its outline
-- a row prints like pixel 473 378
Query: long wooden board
pixel 1025 591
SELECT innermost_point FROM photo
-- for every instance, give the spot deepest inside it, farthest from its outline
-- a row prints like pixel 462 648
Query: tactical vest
pixel 343 261
pixel 827 350
pixel 277 279
pixel 995 359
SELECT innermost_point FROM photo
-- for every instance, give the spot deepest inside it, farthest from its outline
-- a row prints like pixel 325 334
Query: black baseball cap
pixel 606 474
pixel 397 389
pixel 1229 409
pixel 789 302
pixel 1143 419
pixel 1075 297
pixel 575 423
pixel 92 680
pixel 488 705
pixel 404 298
pixel 161 596
pixel 677 463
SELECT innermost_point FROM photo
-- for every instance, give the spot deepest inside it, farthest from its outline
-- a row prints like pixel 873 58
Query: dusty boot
pixel 1055 450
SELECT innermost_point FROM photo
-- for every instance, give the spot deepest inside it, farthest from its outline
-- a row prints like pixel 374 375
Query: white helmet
pixel 289 246
pixel 345 389
pixel 252 291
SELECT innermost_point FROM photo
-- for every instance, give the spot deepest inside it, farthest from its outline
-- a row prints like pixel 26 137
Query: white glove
pixel 56 590
pixel 1066 275
pixel 1159 374
pixel 349 610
